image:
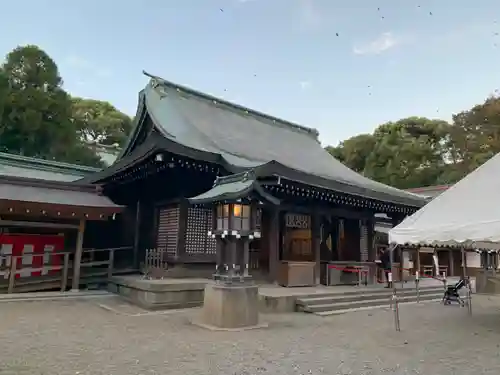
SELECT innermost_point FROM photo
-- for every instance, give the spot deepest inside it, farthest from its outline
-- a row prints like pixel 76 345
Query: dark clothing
pixel 385 260
pixel 385 264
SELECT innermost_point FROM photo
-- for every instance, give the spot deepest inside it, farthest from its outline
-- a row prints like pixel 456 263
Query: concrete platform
pixel 159 294
pixel 173 293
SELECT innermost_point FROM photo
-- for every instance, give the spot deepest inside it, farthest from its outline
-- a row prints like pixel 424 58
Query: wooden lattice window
pixel 199 222
pixel 168 229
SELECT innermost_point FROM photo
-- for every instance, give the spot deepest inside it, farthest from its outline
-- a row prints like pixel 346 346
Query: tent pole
pixel 467 279
pixel 392 248
pixel 394 297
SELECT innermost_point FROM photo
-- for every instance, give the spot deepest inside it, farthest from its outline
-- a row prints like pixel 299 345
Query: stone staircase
pixel 340 303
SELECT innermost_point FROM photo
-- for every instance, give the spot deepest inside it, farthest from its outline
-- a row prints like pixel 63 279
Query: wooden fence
pixel 57 274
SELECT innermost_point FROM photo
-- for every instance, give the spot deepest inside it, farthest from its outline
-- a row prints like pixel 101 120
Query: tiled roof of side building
pixel 21 166
pixel 430 191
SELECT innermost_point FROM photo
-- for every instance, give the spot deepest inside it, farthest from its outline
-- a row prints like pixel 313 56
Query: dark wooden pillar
pixel 273 242
pixel 451 263
pixel 316 245
pixel 401 263
pixel 464 263
pixel 372 256
pixel 78 256
pixel 137 229
pixel 181 232
pixel 340 239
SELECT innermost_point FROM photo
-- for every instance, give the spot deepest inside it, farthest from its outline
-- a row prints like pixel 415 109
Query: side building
pixel 318 210
pixel 44 215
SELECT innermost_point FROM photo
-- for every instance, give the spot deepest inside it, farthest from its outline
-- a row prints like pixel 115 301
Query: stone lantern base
pixel 230 307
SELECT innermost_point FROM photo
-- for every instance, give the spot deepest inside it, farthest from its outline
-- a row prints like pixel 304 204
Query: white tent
pixel 467 214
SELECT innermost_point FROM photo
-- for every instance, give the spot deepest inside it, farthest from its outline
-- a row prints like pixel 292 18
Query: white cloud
pixel 382 43
pixel 304 85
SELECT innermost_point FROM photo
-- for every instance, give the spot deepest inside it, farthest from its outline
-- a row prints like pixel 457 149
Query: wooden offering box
pixel 292 274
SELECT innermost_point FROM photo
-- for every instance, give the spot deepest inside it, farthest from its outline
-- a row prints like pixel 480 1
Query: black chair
pixel 452 293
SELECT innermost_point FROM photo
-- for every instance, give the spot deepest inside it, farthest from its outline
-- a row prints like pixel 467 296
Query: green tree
pixel 337 152
pixel 354 151
pixel 475 135
pixel 4 91
pixel 99 121
pixel 411 152
pixel 37 116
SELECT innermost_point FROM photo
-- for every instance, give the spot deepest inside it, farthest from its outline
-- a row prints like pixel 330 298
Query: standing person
pixel 385 263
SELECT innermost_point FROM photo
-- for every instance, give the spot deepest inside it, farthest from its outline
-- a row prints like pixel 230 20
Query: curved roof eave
pixel 276 168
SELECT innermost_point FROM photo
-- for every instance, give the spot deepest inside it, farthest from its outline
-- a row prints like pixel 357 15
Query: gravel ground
pixel 80 337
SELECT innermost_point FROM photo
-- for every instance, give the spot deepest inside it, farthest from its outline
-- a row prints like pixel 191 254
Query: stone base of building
pixel 230 307
pixel 159 294
pixel 487 284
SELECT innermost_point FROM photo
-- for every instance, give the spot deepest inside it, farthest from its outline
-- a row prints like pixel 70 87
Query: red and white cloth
pixel 34 254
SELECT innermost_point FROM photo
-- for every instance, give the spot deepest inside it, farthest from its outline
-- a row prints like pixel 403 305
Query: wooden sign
pixel 298 221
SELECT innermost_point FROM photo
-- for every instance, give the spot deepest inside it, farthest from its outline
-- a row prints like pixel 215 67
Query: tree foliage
pixel 354 151
pixel 4 90
pixel 37 111
pixel 476 134
pixel 98 121
pixel 418 151
pixel 39 118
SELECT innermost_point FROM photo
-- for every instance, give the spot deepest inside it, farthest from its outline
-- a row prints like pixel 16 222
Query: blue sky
pixel 391 58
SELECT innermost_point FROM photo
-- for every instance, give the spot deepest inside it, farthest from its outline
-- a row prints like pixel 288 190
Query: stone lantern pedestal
pixel 231 307
pixel 231 302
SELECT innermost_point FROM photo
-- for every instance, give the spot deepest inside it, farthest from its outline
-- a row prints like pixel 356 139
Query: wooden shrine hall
pixel 42 227
pixel 317 210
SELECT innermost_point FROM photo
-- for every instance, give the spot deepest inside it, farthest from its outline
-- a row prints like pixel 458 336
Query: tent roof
pixel 467 214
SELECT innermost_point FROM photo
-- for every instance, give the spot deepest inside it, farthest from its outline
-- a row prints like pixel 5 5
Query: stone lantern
pixel 234 228
pixel 232 301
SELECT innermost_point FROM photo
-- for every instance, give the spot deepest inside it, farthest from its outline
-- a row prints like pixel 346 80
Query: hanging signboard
pixel 298 221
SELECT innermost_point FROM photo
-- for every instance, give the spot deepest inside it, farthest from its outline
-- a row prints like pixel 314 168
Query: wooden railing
pixel 88 261
pixel 362 272
pixel 430 271
pixel 155 264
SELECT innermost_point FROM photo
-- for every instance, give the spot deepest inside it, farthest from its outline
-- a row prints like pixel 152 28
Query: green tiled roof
pixel 233 187
pixel 22 166
pixel 202 127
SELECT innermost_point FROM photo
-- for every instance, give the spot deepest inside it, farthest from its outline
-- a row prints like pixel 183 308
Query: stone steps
pixel 362 300
pixel 355 309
